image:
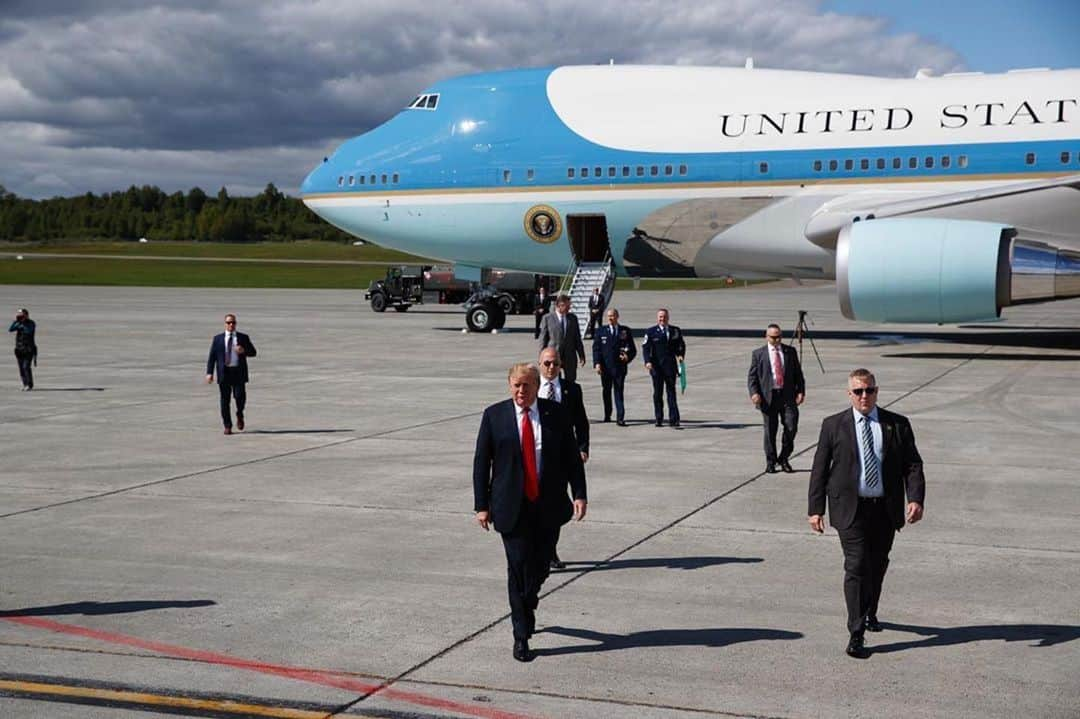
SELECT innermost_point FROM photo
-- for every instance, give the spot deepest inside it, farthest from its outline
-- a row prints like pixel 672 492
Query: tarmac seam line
pixel 211 470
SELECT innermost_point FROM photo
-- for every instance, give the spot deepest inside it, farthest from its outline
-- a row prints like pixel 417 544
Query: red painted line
pixel 312 676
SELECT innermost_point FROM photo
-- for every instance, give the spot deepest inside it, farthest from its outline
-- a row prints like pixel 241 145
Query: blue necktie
pixel 870 460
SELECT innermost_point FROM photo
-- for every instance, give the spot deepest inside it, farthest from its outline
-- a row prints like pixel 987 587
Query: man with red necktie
pixel 526 457
pixel 777 388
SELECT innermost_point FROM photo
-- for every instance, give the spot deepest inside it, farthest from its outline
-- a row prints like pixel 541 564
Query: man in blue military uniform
pixel 662 351
pixel 613 350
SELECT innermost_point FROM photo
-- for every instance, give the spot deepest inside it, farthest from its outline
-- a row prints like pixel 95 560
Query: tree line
pixel 149 212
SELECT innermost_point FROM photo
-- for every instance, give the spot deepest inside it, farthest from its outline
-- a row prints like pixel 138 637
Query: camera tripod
pixel 801 330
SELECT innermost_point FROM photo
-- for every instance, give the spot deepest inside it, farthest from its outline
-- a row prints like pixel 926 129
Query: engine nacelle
pixel 927 270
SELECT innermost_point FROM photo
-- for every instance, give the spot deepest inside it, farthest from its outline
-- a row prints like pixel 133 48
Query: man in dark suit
pixel 663 350
pixel 526 455
pixel 543 306
pixel 866 462
pixel 560 329
pixel 613 350
pixel 777 388
pixel 229 352
pixel 569 396
pixel 596 311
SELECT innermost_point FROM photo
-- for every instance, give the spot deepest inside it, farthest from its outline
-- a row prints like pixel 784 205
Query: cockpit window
pixel 424 102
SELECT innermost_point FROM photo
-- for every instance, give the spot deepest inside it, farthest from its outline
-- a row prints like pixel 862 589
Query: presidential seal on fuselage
pixel 543 224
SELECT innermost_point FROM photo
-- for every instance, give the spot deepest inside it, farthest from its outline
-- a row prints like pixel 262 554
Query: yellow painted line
pixel 158 700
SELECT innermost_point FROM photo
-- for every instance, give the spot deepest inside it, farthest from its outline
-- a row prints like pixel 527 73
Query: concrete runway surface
pixel 325 562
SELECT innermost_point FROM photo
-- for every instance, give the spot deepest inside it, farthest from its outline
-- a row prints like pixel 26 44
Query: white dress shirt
pixel 534 417
pixel 776 349
pixel 232 359
pixel 544 389
pixel 879 450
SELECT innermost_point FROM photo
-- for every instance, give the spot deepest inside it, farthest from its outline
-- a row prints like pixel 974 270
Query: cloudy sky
pixel 103 94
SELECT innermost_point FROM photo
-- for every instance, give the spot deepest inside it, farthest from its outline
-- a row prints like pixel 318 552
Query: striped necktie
pixel 870 460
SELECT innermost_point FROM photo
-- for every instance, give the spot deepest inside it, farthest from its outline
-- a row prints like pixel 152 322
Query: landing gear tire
pixel 506 304
pixel 378 302
pixel 484 317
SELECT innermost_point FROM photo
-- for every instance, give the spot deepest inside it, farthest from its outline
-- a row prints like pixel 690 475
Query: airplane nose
pixel 311 182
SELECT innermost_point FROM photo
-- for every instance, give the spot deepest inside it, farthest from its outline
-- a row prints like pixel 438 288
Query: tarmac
pixel 325 562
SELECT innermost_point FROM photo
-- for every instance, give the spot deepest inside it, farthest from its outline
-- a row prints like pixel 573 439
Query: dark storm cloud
pixel 132 82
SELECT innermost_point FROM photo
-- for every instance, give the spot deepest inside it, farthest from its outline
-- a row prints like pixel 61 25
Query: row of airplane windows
pixel 368 179
pixel 929 161
pixel 612 171
pixel 944 162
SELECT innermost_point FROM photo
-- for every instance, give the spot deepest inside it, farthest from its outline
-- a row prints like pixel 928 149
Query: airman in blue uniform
pixel 613 350
pixel 663 350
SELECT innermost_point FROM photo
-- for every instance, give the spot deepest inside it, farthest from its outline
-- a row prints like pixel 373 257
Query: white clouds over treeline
pixel 95 96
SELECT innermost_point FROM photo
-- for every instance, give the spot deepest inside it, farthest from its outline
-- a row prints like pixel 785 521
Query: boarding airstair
pixel 588 276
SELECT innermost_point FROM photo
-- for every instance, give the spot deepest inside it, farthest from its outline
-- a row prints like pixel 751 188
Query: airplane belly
pixel 768 242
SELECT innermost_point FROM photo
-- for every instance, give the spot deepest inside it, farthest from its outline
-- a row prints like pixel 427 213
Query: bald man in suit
pixel 865 464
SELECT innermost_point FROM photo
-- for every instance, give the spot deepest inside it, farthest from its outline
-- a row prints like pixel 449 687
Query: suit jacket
pixel 663 353
pixel 568 344
pixel 499 475
pixel 606 349
pixel 573 404
pixel 837 466
pixel 760 378
pixel 215 363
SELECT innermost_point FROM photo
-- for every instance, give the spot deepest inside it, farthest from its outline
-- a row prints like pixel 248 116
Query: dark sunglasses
pixel 550 363
pixel 230 322
pixel 858 391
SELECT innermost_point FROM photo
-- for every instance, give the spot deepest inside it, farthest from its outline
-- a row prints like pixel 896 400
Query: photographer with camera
pixel 25 347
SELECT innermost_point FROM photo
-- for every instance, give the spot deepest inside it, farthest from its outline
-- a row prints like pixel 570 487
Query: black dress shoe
pixel 855 648
pixel 871 624
pixel 621 422
pixel 522 652
pixel 607 419
pixel 659 423
pixel 786 466
pixel 557 563
pixel 675 424
pixel 770 468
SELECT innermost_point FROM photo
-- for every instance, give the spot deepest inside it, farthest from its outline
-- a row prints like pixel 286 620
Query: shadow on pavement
pixel 96 608
pixel 718 637
pixel 1044 635
pixel 659 563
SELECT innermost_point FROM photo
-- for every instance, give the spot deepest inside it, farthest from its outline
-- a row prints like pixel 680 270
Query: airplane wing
pixel 824 226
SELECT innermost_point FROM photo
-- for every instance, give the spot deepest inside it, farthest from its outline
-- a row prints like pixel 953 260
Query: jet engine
pixel 932 270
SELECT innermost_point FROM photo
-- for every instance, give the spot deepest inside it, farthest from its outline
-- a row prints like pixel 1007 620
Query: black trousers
pixel 594 319
pixel 663 381
pixel 529 547
pixel 26 373
pixel 866 544
pixel 539 319
pixel 613 383
pixel 776 413
pixel 231 386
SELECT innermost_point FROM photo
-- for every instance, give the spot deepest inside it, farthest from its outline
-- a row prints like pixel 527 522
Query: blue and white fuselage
pixel 722 171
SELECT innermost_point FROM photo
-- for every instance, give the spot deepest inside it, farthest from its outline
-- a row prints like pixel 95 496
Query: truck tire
pixel 506 304
pixel 401 308
pixel 484 317
pixel 378 302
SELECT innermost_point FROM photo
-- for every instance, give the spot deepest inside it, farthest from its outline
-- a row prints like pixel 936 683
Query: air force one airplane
pixel 931 199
